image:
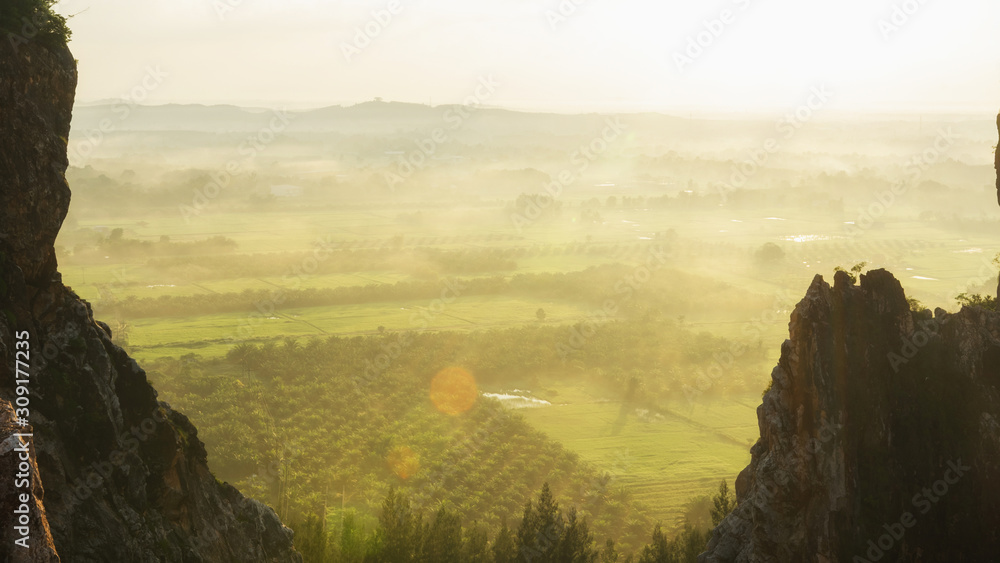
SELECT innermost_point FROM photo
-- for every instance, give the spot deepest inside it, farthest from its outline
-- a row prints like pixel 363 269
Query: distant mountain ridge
pixel 368 117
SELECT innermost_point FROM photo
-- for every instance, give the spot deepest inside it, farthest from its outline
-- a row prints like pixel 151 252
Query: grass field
pixel 664 460
pixel 140 282
pixel 933 264
pixel 213 335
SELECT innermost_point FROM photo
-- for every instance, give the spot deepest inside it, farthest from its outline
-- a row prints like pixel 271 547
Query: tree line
pixel 545 534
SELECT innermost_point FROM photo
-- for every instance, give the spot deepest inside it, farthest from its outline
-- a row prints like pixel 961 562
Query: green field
pixel 664 457
pixel 664 460
pixel 213 335
pixel 140 282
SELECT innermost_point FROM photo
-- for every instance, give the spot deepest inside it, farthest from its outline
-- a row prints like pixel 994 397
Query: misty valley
pixel 399 325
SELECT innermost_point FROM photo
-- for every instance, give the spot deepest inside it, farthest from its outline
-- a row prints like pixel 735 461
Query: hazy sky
pixel 565 55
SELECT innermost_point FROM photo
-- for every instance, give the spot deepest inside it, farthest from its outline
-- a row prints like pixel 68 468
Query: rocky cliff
pixel 996 162
pixel 109 473
pixel 879 436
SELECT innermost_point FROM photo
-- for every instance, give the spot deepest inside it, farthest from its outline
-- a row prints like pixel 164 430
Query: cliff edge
pixel 110 473
pixel 879 437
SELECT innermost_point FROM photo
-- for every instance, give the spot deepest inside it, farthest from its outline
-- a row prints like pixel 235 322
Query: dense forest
pixel 328 426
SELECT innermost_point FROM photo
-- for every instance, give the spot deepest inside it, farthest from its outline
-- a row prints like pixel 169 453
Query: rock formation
pixel 879 437
pixel 115 474
pixel 996 160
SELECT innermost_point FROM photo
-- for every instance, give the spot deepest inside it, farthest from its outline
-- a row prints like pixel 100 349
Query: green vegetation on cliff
pixel 25 20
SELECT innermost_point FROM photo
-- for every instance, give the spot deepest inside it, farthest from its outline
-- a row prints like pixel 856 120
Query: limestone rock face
pixel 32 537
pixel 117 475
pixel 879 437
pixel 37 89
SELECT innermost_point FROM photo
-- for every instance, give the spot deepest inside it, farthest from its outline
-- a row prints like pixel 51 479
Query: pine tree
pixel 442 538
pixel 609 554
pixel 659 551
pixel 541 529
pixel 311 540
pixel 550 527
pixel 398 531
pixel 475 545
pixel 352 546
pixel 576 543
pixel 724 503
pixel 690 543
pixel 527 533
pixel 505 545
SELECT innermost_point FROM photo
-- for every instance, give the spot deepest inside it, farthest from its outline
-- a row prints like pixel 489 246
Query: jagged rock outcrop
pixel 996 160
pixel 123 477
pixel 880 436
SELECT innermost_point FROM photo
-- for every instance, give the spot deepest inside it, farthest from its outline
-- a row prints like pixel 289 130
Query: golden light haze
pixel 566 56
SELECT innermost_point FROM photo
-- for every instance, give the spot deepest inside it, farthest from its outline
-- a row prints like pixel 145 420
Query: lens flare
pixel 453 391
pixel 403 462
